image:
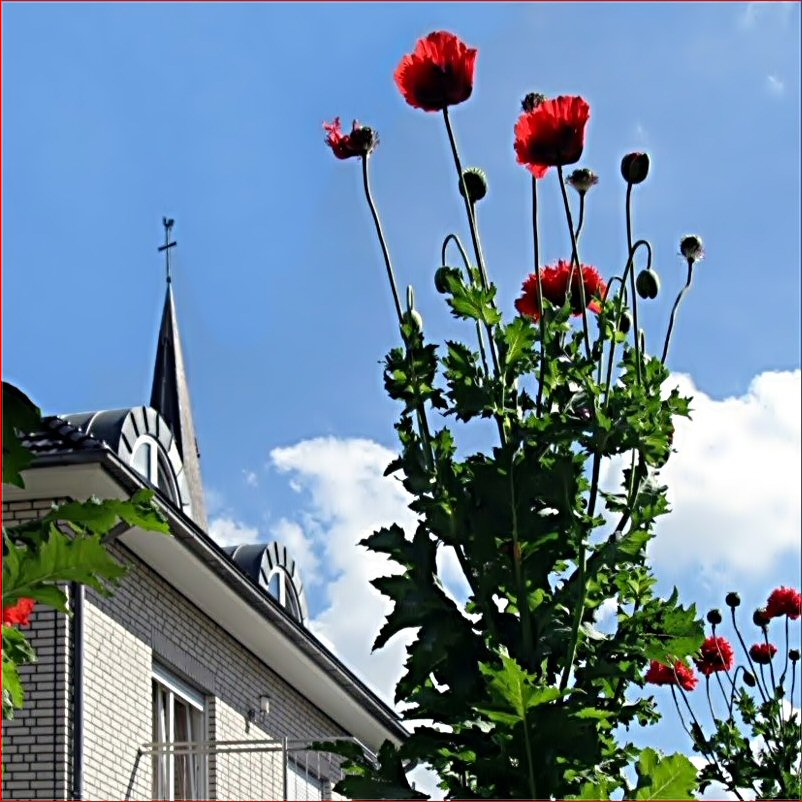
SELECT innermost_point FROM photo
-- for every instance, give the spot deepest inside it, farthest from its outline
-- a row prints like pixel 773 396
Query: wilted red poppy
pixel 360 142
pixel 680 674
pixel 554 286
pixel 784 601
pixel 762 653
pixel 19 613
pixel 717 655
pixel 552 134
pixel 439 73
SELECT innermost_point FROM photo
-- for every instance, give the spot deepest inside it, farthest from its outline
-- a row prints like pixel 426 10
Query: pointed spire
pixel 170 393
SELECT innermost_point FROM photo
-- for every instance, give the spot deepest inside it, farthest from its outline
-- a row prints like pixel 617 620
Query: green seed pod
pixel 647 284
pixel 733 599
pixel 760 618
pixel 714 617
pixel 749 679
pixel 475 183
pixel 793 655
pixel 625 323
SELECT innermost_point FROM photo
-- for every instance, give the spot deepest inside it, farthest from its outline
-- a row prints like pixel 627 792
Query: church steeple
pixel 170 393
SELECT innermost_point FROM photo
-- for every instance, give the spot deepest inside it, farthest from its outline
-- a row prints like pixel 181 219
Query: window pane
pixel 141 460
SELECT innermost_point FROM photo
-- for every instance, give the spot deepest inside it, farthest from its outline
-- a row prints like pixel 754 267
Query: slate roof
pixel 58 437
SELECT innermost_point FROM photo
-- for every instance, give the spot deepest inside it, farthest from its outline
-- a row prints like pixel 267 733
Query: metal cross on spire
pixel 168 224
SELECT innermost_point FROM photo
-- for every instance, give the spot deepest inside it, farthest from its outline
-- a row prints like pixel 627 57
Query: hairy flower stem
pixel 793 688
pixel 709 700
pixel 455 239
pixel 771 664
pixel 380 233
pixel 477 245
pixel 632 282
pixel 423 424
pixel 520 580
pixel 581 564
pixel 581 220
pixel 536 243
pixel 746 651
pixel 674 310
pixel 711 756
pixel 785 666
pixel 529 761
pixel 575 263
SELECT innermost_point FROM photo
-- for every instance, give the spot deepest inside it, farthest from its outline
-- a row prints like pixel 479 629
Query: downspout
pixel 77 594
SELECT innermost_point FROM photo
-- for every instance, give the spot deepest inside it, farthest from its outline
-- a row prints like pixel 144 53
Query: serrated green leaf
pixel 665 777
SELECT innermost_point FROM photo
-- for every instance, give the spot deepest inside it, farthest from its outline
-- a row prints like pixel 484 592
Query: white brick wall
pixel 148 620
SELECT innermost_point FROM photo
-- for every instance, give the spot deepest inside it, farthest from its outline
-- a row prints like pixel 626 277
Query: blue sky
pixel 117 114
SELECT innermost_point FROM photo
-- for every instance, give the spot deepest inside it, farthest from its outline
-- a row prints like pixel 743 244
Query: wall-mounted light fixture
pixel 262 712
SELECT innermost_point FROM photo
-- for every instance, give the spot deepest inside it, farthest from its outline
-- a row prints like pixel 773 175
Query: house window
pixel 151 462
pixel 282 589
pixel 179 731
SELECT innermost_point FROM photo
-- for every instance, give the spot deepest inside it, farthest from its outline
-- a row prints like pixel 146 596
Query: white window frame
pixel 176 688
pixel 283 592
pixel 157 453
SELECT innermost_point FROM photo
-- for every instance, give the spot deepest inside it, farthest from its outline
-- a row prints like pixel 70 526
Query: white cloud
pixel 733 484
pixel 300 548
pixel 347 499
pixel 774 85
pixel 227 532
pixel 251 479
pixel 753 13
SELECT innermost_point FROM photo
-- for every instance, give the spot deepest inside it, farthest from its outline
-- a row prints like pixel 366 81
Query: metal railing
pixel 267 769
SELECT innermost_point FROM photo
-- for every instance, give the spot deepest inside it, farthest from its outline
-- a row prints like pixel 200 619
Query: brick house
pixel 198 678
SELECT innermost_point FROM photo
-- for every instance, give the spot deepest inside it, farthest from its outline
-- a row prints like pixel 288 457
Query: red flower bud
pixel 635 167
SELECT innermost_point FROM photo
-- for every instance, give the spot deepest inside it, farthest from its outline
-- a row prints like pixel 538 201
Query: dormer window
pixel 281 587
pixel 150 461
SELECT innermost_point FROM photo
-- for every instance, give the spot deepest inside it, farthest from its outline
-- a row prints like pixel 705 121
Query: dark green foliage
pixel 523 689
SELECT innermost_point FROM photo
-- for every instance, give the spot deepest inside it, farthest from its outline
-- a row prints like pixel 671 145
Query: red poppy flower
pixel 552 134
pixel 19 613
pixel 680 674
pixel 762 653
pixel 717 655
pixel 439 73
pixel 784 601
pixel 360 142
pixel 554 286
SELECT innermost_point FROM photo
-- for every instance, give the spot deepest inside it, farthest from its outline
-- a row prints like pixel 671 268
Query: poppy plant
pixel 359 143
pixel 554 286
pixel 19 613
pixel 680 674
pixel 784 601
pixel 438 73
pixel 552 134
pixel 762 653
pixel 716 655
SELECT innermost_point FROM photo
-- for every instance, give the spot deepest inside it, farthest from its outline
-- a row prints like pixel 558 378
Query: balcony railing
pixel 284 769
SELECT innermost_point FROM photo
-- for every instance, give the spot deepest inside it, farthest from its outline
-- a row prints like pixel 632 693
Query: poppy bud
pixel 760 617
pixel 475 182
pixel 714 617
pixel 625 323
pixel 691 248
pixel 635 167
pixel 749 679
pixel 582 180
pixel 441 280
pixel 414 319
pixel 647 284
pixel 696 732
pixel 733 600
pixel 532 101
pixel 793 654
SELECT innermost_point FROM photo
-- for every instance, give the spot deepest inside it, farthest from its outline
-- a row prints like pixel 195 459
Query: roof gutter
pixel 208 552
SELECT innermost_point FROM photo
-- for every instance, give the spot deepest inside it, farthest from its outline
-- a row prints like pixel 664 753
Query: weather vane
pixel 168 223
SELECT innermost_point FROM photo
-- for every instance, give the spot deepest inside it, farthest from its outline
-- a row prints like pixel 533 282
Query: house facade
pixel 197 678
